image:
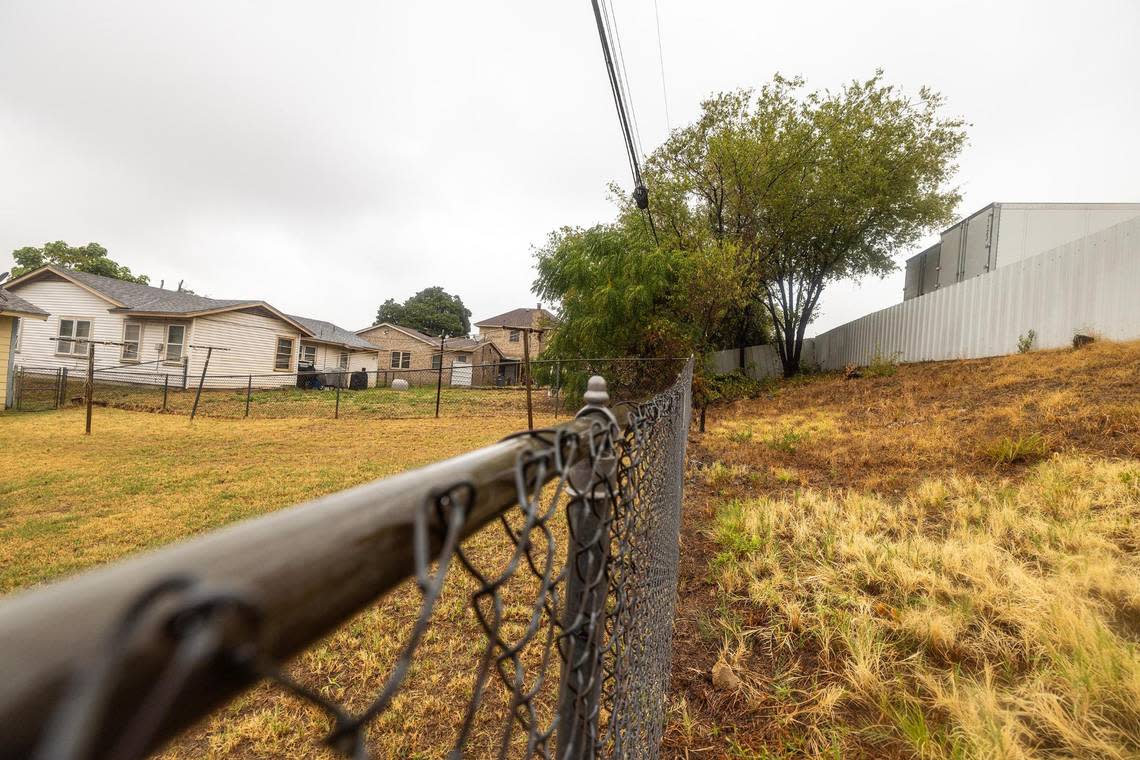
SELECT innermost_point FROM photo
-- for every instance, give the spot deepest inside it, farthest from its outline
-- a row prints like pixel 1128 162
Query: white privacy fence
pixel 1089 286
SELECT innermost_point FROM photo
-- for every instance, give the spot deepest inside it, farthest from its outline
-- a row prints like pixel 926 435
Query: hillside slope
pixel 938 562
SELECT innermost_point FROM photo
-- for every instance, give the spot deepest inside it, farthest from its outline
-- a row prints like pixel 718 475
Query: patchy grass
pixel 882 589
pixel 68 502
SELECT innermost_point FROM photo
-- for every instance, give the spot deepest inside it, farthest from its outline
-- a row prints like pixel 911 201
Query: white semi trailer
pixel 1002 233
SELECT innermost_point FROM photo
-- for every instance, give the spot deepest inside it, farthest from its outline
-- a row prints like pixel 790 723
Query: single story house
pixel 415 356
pixel 13 310
pixel 508 331
pixel 143 333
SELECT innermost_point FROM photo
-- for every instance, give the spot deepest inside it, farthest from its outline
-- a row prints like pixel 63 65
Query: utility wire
pixel 640 194
pixel 661 63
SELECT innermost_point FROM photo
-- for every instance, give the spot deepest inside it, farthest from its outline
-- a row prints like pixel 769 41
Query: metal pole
pixel 201 382
pixel 439 375
pixel 58 386
pixel 557 388
pixel 592 484
pixel 248 394
pixel 185 372
pixel 339 382
pixel 89 389
pixel 165 389
pixel 526 369
pixel 63 388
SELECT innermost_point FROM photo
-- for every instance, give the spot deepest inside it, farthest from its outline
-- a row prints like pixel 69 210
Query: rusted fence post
pixel 201 382
pixel 591 489
pixel 439 374
pixel 526 370
pixel 165 389
pixel 89 388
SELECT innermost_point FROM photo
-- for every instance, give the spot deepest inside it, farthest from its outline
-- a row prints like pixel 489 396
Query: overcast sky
pixel 327 156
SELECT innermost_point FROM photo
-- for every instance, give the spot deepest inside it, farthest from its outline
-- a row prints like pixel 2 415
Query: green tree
pixel 432 311
pixel 811 187
pixel 91 258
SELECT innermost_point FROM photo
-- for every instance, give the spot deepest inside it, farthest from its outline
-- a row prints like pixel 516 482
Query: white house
pixel 147 332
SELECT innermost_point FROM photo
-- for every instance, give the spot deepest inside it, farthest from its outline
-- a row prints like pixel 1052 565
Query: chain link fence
pixel 574 613
pixel 455 391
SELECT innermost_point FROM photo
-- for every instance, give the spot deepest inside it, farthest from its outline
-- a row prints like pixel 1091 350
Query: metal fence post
pixel 248 394
pixel 63 387
pixel 90 387
pixel 591 489
pixel 201 382
pixel 439 375
pixel 165 389
pixel 339 382
pixel 58 386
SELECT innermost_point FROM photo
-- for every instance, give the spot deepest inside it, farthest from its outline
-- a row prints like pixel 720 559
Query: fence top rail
pixel 309 568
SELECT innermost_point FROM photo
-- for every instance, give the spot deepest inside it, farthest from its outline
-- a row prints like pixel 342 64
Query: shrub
pixel 883 366
pixel 1024 448
pixel 1025 342
pixel 786 439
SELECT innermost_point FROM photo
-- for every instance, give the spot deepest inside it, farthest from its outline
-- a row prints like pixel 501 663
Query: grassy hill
pixel 932 561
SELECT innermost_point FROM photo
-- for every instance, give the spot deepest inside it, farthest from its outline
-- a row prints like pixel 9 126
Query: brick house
pixel 508 331
pixel 416 357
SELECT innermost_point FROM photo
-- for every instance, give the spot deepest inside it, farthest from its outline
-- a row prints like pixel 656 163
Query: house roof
pixel 458 343
pixel 327 332
pixel 521 319
pixel 11 305
pixel 146 300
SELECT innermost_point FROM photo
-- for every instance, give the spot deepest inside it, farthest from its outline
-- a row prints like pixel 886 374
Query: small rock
pixel 724 678
pixel 399 384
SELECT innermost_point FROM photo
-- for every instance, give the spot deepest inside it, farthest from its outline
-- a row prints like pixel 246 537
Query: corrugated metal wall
pixel 1091 285
pixel 760 361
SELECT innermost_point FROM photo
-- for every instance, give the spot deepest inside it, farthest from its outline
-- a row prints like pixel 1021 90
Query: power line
pixel 661 63
pixel 640 194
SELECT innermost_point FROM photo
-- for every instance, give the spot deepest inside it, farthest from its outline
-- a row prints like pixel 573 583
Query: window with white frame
pixel 16 335
pixel 461 358
pixel 342 361
pixel 401 359
pixel 174 345
pixel 309 354
pixel 72 335
pixel 284 358
pixel 436 360
pixel 515 336
pixel 132 341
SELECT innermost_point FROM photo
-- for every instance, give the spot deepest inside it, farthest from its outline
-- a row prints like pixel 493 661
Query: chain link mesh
pixel 577 668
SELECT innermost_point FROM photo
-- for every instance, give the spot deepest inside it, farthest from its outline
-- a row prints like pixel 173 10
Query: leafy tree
pixel 432 311
pixel 91 258
pixel 810 187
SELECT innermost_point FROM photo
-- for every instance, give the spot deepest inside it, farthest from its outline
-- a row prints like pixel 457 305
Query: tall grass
pixel 966 619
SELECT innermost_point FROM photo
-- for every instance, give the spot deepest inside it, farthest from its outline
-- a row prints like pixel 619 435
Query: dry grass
pixel 144 480
pixel 897 566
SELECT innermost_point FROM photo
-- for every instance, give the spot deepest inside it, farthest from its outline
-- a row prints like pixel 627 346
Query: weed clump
pixel 1020 450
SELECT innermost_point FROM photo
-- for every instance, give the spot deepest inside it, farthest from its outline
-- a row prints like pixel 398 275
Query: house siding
pixel 7 330
pixel 62 300
pixel 250 341
pixel 501 337
pixel 388 339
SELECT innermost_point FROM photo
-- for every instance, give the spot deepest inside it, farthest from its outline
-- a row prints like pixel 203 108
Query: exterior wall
pixel 7 330
pixel 501 337
pixel 1027 229
pixel 388 339
pixel 1003 234
pixel 62 299
pixel 252 342
pixel 759 361
pixel 1087 285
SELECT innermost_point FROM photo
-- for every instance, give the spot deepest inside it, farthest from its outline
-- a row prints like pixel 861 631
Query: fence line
pixel 372 394
pixel 591 510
